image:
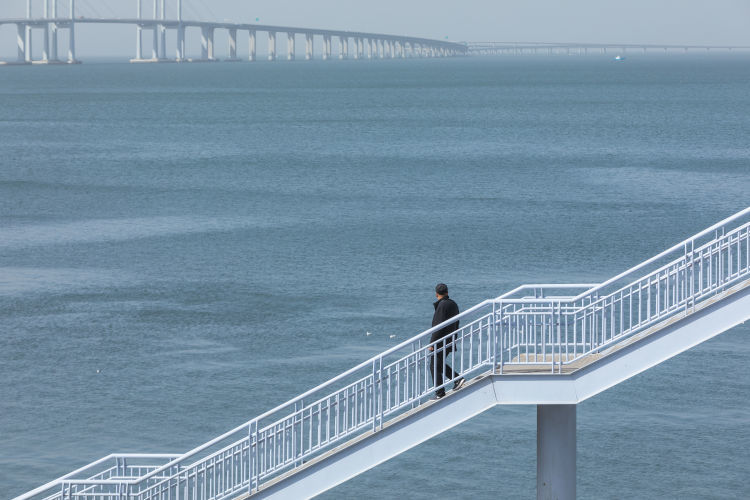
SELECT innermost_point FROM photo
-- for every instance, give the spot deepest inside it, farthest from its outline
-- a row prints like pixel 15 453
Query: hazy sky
pixel 645 21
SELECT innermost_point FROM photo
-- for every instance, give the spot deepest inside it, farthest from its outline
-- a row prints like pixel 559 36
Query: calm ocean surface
pixel 183 247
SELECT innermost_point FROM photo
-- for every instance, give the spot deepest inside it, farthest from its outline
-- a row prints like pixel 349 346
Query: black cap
pixel 441 289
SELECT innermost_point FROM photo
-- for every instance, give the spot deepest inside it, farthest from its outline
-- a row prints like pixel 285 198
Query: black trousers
pixel 436 359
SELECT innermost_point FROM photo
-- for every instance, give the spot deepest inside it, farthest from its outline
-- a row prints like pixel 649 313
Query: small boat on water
pixel 619 58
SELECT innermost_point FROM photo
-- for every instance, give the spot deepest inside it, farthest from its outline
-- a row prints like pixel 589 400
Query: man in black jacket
pixel 445 309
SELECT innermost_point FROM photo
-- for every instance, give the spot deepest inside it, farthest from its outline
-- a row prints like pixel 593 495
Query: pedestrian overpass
pixel 550 345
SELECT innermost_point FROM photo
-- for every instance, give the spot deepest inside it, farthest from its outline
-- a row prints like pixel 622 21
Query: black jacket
pixel 445 309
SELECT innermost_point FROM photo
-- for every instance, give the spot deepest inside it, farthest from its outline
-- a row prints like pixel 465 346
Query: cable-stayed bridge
pixel 549 345
pixel 160 24
pixel 60 15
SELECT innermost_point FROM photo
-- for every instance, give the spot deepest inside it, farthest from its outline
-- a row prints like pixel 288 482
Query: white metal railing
pixel 532 325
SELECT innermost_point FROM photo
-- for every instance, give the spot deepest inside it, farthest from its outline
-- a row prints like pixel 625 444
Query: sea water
pixel 183 247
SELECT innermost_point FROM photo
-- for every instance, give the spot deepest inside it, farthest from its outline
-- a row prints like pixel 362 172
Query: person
pixel 445 308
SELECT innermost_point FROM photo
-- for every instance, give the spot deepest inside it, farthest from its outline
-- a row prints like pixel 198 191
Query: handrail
pixel 654 272
pixel 67 476
pixel 546 285
pixel 665 252
pixel 335 379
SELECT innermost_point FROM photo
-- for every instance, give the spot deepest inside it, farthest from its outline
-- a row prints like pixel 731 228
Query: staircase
pixel 551 345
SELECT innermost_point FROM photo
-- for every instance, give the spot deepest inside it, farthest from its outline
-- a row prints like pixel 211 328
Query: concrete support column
pixel 163 42
pixel 357 52
pixel 155 43
pixel 139 30
pixel 252 46
pixel 163 31
pixel 27 45
pixel 155 30
pixel 343 47
pixel 271 45
pixel 138 42
pixel 290 49
pixel 27 34
pixel 382 49
pixel 326 47
pixel 369 48
pixel 45 47
pixel 232 44
pixel 53 28
pixel 180 53
pixel 204 43
pixel 21 41
pixel 180 33
pixel 309 46
pixel 72 32
pixel 207 43
pixel 556 452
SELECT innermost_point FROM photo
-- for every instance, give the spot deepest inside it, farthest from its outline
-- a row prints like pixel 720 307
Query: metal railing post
pixel 373 403
pixel 552 335
pixel 502 340
pixel 691 291
pixel 252 459
pixel 124 492
pixel 381 406
pixel 294 426
pixel 493 333
pixel 558 324
pixel 416 349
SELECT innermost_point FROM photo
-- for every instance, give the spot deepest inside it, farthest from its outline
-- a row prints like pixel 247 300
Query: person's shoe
pixel 458 384
pixel 439 395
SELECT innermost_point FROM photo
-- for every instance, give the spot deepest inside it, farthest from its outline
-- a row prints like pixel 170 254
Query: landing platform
pixel 542 365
